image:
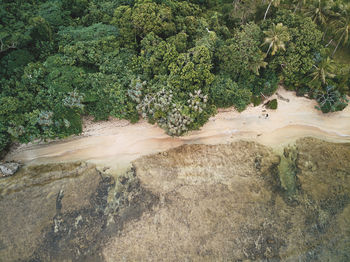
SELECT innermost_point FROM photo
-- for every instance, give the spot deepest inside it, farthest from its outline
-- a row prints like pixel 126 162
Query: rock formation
pixel 229 202
pixel 9 169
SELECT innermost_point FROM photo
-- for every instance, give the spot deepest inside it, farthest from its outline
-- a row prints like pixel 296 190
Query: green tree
pixel 319 11
pixel 152 17
pixel 324 70
pixel 241 55
pixel 298 4
pixel 224 93
pixel 76 7
pixel 296 63
pixel 275 3
pixel 258 63
pixel 191 71
pixel 243 10
pixel 156 55
pixel 342 29
pixel 276 37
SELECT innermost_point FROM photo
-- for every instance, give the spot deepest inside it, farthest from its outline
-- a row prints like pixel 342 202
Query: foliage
pixel 323 71
pixel 224 93
pixel 241 55
pixel 191 70
pixel 330 100
pixel 272 104
pixel 170 62
pixel 276 37
pixel 256 100
pixel 298 59
pixel 342 28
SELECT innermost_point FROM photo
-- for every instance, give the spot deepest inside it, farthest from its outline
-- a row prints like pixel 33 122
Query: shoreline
pixel 116 143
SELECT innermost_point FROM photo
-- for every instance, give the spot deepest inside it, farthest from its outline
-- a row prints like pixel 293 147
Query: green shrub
pixel 224 92
pixel 330 100
pixel 256 100
pixel 272 104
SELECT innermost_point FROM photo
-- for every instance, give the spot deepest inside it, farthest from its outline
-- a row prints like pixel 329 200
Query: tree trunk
pixel 296 8
pixel 335 49
pixel 268 50
pixel 329 43
pixel 268 9
pixel 324 34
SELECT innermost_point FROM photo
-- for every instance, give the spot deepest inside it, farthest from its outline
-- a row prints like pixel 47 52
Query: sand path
pixel 115 143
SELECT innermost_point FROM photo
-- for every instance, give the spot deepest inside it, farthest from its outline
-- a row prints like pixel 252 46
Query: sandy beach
pixel 116 143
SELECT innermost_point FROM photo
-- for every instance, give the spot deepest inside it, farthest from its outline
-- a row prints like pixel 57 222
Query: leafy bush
pixel 298 59
pixel 62 59
pixel 272 104
pixel 256 100
pixel 224 93
pixel 330 100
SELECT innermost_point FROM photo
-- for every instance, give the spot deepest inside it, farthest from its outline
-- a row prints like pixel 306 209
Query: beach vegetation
pixel 170 62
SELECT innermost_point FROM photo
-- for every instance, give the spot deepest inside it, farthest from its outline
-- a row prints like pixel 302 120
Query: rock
pixel 324 168
pixel 9 169
pixel 60 212
pixel 194 203
pixel 208 195
pixel 225 203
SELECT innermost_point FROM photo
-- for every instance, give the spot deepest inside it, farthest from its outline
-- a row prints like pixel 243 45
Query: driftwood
pixel 282 98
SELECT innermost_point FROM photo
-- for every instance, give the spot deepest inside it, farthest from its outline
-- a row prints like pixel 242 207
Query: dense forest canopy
pixel 169 61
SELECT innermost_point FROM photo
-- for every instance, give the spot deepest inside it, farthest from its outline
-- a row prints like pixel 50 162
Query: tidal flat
pixel 241 201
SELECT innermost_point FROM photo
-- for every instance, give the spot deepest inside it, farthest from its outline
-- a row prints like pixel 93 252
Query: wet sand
pixel 115 143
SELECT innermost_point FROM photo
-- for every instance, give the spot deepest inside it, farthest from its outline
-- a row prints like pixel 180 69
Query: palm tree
pixel 320 11
pixel 342 28
pixel 275 4
pixel 254 66
pixel 276 37
pixel 299 4
pixel 323 71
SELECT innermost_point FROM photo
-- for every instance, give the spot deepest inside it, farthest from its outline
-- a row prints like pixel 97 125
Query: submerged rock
pixel 9 169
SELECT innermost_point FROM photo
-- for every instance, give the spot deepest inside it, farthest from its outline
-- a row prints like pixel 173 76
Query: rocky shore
pixel 232 202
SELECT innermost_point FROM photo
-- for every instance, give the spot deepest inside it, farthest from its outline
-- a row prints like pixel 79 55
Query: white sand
pixel 117 142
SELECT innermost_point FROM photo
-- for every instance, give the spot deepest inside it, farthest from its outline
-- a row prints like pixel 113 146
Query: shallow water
pixel 232 202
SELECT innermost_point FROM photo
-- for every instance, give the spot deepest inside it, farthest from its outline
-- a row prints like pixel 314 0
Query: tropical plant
pixel 319 11
pixel 258 63
pixel 298 4
pixel 324 70
pixel 224 93
pixel 275 3
pixel 241 56
pixel 342 29
pixel 296 63
pixel 330 100
pixel 276 38
pixel 62 59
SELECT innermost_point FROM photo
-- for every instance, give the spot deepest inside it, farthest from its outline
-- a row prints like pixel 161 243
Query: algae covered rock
pixel 61 212
pixel 216 204
pixel 32 201
pixel 232 202
pixel 324 168
pixel 227 203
